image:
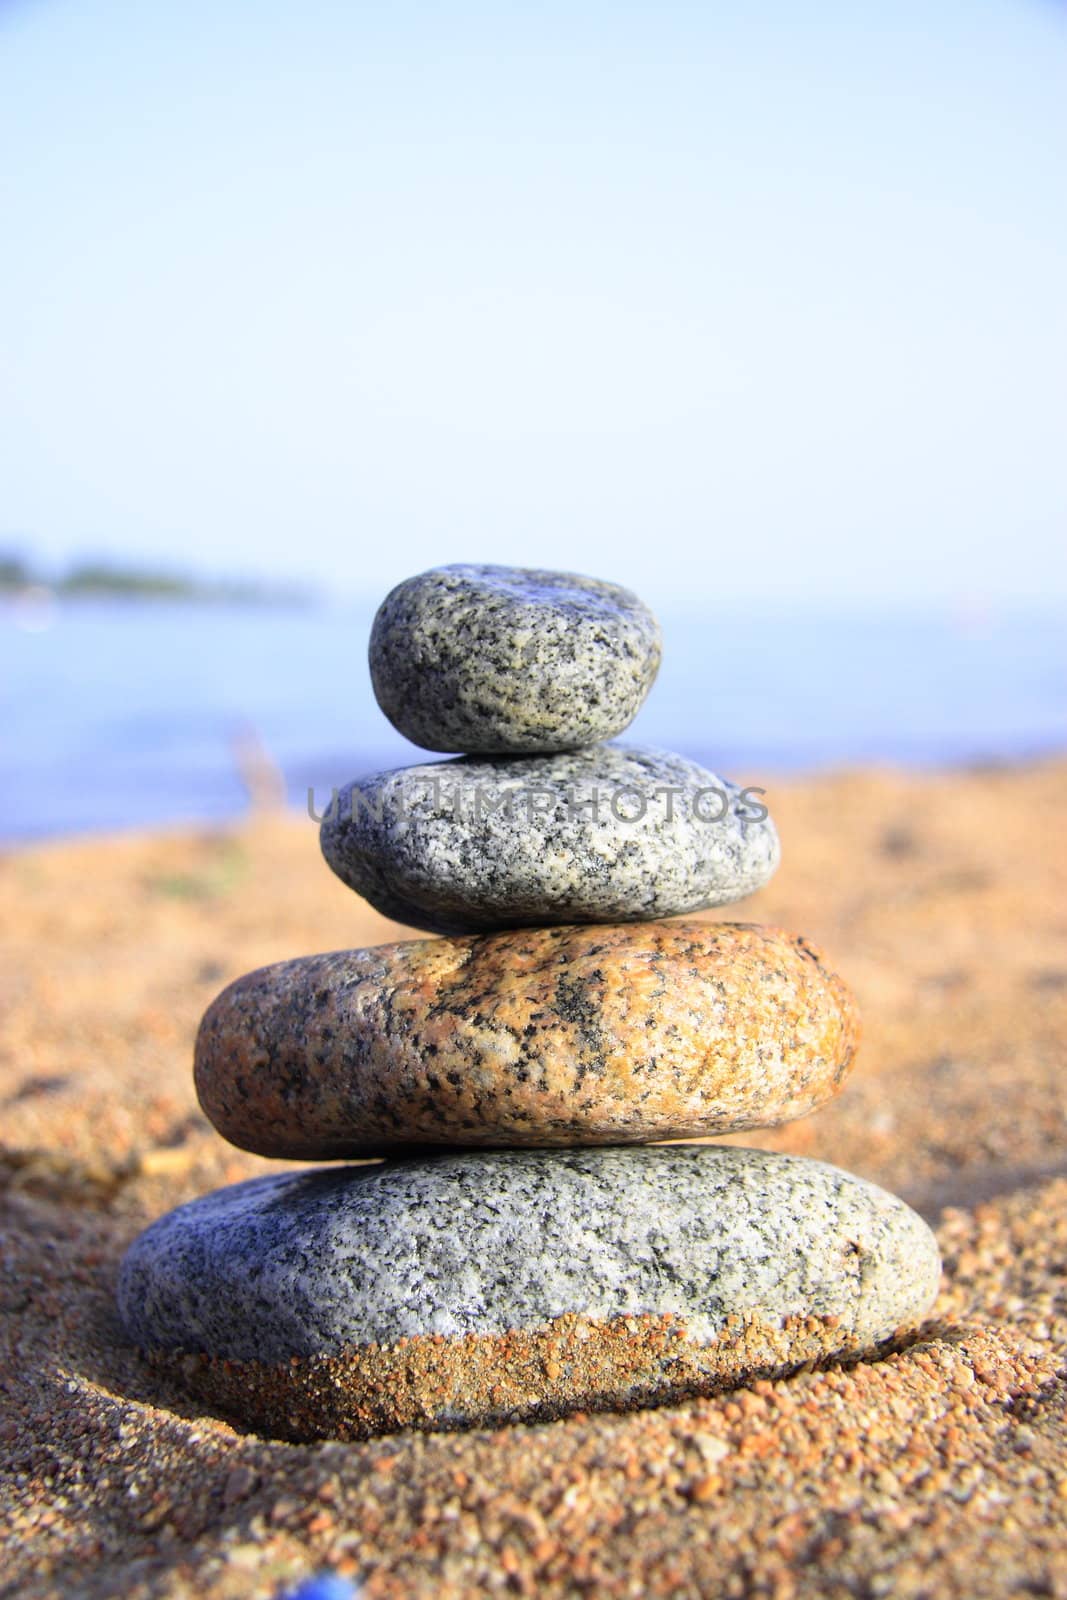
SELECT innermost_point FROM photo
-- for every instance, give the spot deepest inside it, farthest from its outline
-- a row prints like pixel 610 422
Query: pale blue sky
pixel 722 301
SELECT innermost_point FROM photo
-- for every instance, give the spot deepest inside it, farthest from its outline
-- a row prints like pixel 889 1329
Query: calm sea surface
pixel 125 714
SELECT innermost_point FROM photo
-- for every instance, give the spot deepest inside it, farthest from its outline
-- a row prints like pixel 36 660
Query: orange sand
pixel 941 1470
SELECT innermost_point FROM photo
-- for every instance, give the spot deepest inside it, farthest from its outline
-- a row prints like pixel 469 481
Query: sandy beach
pixel 941 1470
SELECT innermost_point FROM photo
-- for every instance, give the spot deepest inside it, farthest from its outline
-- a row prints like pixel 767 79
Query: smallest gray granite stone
pixel 487 660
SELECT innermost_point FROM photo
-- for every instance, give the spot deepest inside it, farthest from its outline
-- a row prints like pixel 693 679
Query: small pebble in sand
pixel 325 1586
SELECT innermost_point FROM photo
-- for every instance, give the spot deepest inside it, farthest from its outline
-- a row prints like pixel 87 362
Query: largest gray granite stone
pixel 496 660
pixel 364 1298
pixel 610 834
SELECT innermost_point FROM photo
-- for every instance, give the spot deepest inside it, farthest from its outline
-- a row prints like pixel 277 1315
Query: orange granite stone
pixel 537 1037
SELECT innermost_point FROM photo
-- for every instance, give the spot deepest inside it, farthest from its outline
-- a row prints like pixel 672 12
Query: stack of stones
pixel 528 1245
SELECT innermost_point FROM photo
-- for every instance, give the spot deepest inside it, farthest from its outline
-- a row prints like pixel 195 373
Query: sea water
pixel 118 714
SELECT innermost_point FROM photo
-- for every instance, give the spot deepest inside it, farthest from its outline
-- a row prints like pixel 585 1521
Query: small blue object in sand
pixel 326 1586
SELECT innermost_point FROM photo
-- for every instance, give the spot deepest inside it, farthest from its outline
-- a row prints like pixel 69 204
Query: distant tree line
pixel 103 579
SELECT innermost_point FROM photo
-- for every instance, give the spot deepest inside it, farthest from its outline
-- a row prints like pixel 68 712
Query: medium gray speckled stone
pixel 477 844
pixel 503 660
pixel 313 1263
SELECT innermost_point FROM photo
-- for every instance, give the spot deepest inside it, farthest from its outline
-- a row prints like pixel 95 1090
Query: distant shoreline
pixel 95 580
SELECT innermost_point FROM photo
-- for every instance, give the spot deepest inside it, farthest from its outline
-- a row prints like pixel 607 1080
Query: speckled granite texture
pixel 608 834
pixel 333 1263
pixel 552 1036
pixel 496 660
